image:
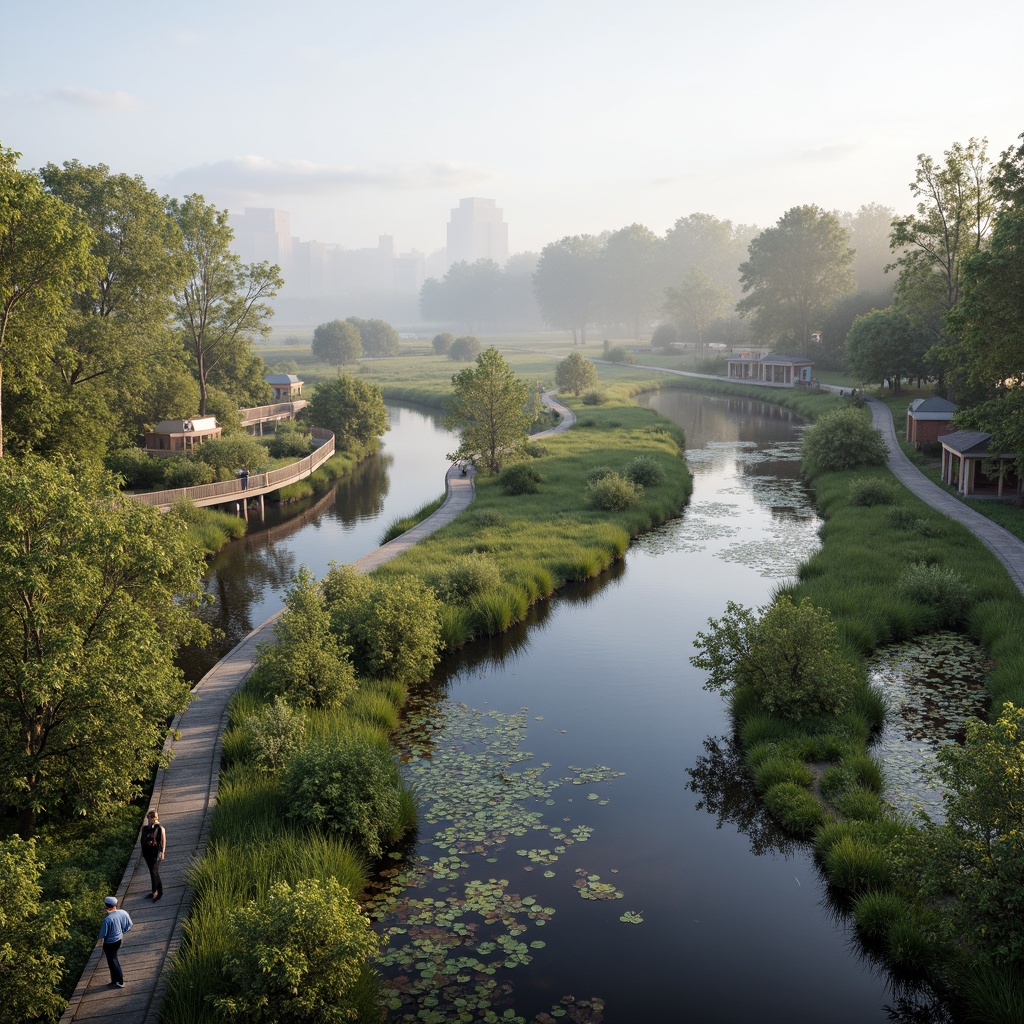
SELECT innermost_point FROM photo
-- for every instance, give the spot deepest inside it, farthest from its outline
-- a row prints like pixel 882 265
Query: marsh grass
pixel 855 865
pixel 795 807
pixel 770 771
pixel 405 523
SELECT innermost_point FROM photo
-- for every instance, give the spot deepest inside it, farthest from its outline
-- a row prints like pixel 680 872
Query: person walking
pixel 153 841
pixel 115 924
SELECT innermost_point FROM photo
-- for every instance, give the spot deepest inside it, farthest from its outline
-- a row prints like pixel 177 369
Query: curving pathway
pixel 185 793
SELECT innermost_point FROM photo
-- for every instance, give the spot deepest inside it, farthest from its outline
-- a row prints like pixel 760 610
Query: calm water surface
pixel 586 852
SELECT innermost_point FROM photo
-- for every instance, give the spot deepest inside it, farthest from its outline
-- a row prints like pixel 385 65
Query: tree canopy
pixel 575 374
pixel 352 408
pixel 488 408
pixel 885 345
pixel 567 283
pixel 222 303
pixel 96 593
pixel 794 273
pixel 379 338
pixel 337 342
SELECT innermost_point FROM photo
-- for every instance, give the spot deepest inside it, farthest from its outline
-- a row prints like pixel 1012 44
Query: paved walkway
pixel 185 792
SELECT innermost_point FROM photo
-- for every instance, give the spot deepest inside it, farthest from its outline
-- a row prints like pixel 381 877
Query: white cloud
pixel 96 100
pixel 256 175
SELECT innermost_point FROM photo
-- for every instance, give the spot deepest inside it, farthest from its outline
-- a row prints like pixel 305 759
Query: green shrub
pixel 350 789
pixel 274 733
pixel 139 470
pixel 861 804
pixel 842 439
pixel 869 491
pixel 535 450
pixel 911 949
pixel 520 478
pixel 233 452
pixel 297 956
pixel 186 472
pixel 794 807
pixel 391 623
pixel 488 517
pixel 614 493
pixel 466 576
pixel 875 913
pixel 289 441
pixel 620 354
pixel 901 517
pixel 938 587
pixel 645 472
pixel 599 473
pixel 594 398
pixel 760 727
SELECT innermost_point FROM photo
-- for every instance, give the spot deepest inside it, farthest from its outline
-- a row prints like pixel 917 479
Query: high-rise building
pixel 477 231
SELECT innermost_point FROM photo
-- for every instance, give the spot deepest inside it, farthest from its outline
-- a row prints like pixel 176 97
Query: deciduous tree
pixel 353 409
pixel 96 595
pixel 44 257
pixel 379 338
pixel 337 342
pixel 698 303
pixel 794 273
pixel 222 303
pixel 632 284
pixel 488 408
pixel 885 345
pixel 575 374
pixel 567 283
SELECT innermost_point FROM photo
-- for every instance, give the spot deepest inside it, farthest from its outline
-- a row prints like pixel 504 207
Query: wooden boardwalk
pixel 185 793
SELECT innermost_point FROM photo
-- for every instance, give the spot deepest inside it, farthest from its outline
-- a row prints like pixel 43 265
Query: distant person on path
pixel 115 924
pixel 153 841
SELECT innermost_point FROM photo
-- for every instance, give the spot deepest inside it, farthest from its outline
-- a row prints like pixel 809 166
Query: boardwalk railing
pixel 262 413
pixel 257 483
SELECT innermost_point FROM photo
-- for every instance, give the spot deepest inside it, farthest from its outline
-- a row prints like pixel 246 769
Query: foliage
pixel 379 338
pixel 787 654
pixel 464 349
pixel 348 788
pixel 289 441
pixel 520 478
pixel 222 303
pixel 886 345
pixel 976 855
pixel 487 407
pixel 337 342
pixel 466 576
pixel 44 257
pixel 795 807
pixel 29 973
pixel 645 471
pixel 870 491
pixel 794 273
pixel 186 472
pixel 306 664
pixel 940 587
pixel 843 439
pixel 274 733
pixel 442 343
pixel 575 374
pixel 105 588
pixel 619 354
pixel 229 454
pixel 567 283
pixel 137 468
pixel 594 398
pixel 295 955
pixel 392 624
pixel 614 493
pixel 631 279
pixel 699 302
pixel 665 335
pixel 352 408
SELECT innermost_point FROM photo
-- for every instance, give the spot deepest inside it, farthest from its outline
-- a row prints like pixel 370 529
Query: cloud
pixel 96 100
pixel 253 176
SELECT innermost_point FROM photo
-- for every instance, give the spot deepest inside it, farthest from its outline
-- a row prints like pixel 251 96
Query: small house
pixel 770 368
pixel 927 419
pixel 178 437
pixel 286 386
pixel 965 454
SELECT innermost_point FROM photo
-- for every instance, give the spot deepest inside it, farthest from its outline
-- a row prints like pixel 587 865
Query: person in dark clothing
pixel 115 924
pixel 153 841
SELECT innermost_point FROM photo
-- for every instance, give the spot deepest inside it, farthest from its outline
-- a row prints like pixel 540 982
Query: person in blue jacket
pixel 115 924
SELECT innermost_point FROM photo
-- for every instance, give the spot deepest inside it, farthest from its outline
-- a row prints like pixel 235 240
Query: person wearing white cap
pixel 115 924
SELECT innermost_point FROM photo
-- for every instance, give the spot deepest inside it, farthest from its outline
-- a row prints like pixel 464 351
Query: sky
pixel 575 116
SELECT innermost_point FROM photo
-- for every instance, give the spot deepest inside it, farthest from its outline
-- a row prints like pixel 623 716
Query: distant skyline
pixel 575 116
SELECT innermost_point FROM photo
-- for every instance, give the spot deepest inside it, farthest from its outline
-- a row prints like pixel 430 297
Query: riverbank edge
pixel 668 437
pixel 990 621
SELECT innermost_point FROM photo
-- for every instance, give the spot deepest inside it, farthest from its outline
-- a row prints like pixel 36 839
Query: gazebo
pixel 285 386
pixel 177 437
pixel 964 454
pixel 770 368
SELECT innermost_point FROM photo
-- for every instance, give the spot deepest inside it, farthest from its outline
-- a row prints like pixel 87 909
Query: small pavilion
pixel 771 368
pixel 177 437
pixel 285 386
pixel 964 456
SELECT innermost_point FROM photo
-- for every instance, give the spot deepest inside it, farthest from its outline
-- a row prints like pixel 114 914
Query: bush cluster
pixel 520 478
pixel 614 493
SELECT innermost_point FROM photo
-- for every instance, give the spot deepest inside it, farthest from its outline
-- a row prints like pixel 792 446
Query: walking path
pixel 185 793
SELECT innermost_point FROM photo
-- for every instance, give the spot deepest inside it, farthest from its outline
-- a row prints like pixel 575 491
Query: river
pixel 586 850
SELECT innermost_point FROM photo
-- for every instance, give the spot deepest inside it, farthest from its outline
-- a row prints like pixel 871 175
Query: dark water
pixel 586 852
